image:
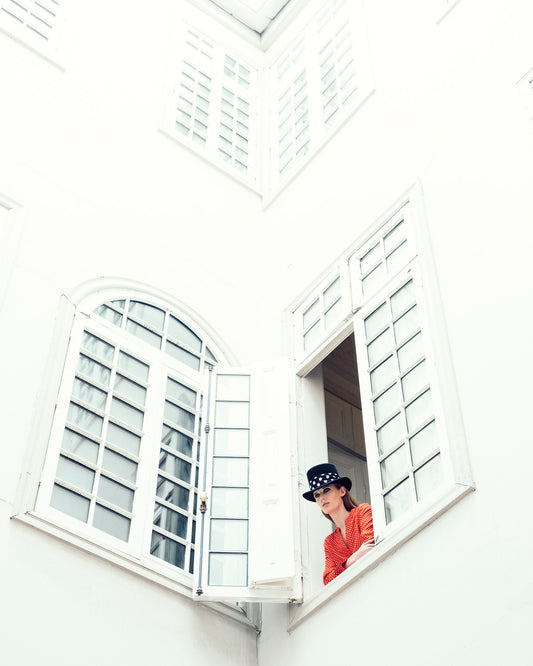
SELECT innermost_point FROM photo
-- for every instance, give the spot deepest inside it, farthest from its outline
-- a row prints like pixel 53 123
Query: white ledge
pixel 299 613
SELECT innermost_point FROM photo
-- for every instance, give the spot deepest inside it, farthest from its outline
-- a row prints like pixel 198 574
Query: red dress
pixel 359 529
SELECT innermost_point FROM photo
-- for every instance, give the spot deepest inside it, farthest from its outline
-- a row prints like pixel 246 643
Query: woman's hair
pixel 349 501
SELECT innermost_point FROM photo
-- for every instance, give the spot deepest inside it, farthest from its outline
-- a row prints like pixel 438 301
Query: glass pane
pixel 123 438
pixel 183 334
pixel 398 501
pixel 333 314
pixel 369 259
pixel 406 324
pixel 391 433
pixel 120 466
pixel 229 535
pixel 111 522
pixel 394 236
pixel 114 492
pixel 230 472
pixel 93 370
pixel 181 355
pixel 402 298
pixel 127 414
pixel 174 466
pixel 376 321
pixel 80 446
pixel 85 420
pixel 229 503
pixel 89 394
pixel 172 493
pixel 419 411
pixel 209 355
pixel 233 387
pixel 171 521
pixel 398 258
pixel 395 466
pixel 232 414
pixel 380 347
pixel 386 404
pixel 70 503
pixel 311 314
pixel 312 335
pixel 181 393
pixel 383 375
pixel 168 550
pixel 414 381
pixel 410 352
pixel 97 347
pixel 143 334
pixel 130 390
pixel 229 569
pixel 109 314
pixel 429 477
pixel 332 293
pixel 177 441
pixel 424 442
pixel 373 280
pixel 230 442
pixel 75 474
pixel 148 313
pixel 133 366
pixel 179 416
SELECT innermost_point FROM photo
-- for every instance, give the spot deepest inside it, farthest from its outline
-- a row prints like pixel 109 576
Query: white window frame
pixel 525 91
pixel 445 7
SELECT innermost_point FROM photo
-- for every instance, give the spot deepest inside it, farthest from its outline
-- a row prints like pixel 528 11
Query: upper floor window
pixel 35 22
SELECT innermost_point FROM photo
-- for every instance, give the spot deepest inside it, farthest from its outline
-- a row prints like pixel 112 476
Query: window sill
pixel 180 583
pixel 45 54
pixel 299 613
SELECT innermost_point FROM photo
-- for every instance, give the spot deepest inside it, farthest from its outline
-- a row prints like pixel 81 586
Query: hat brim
pixel 343 481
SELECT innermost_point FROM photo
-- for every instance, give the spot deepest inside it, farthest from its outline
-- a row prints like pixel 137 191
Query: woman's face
pixel 329 498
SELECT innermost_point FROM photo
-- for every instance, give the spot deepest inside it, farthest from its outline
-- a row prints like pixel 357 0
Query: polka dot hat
pixel 322 475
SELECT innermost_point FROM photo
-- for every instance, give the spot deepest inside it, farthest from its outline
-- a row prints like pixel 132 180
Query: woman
pixel 354 535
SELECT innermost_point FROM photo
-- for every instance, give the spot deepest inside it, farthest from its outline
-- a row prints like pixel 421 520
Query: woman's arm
pixel 366 530
pixel 333 568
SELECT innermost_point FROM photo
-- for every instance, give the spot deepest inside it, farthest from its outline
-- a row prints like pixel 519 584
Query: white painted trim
pixel 299 613
pixel 445 8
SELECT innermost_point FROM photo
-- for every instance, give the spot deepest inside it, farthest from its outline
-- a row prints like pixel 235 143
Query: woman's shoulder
pixel 332 537
pixel 360 510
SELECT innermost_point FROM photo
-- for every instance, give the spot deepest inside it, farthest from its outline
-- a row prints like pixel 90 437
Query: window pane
pixel 229 569
pixel 171 521
pixel 428 478
pixel 97 347
pixel 394 236
pixel 373 280
pixel 414 381
pixel 133 366
pixel 406 324
pixel 130 390
pixel 70 503
pixel 183 334
pixel 85 420
pixel 177 441
pixel 379 348
pixel 376 321
pixel 402 298
pixel 127 414
pixel 229 503
pixel 395 466
pixel 383 375
pixel 311 314
pixel 80 446
pixel 398 258
pixel 332 293
pixel 230 471
pixel 419 411
pixel 111 522
pixel 89 394
pixel 391 433
pixel 386 404
pixel 398 501
pixel 423 443
pixel 114 492
pixel 120 466
pixel 369 259
pixel 333 314
pixel 168 550
pixel 233 387
pixel 148 313
pixel 143 334
pixel 230 442
pixel 410 352
pixel 234 414
pixel 172 493
pixel 181 355
pixel 229 535
pixel 181 392
pixel 123 438
pixel 93 370
pixel 109 314
pixel 175 466
pixel 179 416
pixel 312 335
pixel 75 474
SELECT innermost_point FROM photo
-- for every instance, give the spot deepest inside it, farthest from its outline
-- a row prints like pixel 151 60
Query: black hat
pixel 322 475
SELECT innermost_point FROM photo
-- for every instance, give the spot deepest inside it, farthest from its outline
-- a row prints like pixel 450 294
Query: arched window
pixel 122 465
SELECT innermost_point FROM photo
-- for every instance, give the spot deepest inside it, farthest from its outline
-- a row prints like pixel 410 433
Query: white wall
pixel 105 194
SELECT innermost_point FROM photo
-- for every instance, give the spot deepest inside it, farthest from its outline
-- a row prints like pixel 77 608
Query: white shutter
pixel 246 545
pixel 37 17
